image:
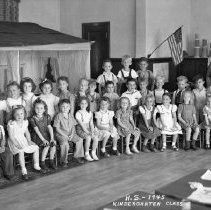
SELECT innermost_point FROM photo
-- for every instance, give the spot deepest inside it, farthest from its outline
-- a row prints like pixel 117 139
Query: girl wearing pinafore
pixel 126 126
pixel 146 124
pixel 167 121
pixel 27 88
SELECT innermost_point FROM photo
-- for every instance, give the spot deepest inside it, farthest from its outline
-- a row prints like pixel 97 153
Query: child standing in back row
pixel 125 73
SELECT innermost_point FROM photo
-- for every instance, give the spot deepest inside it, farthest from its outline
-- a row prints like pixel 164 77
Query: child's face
pixel 127 62
pixel 27 87
pixel 39 109
pixel 143 85
pixel 166 100
pixel 92 87
pixel 131 86
pixel 182 84
pixel 13 92
pixel 143 65
pixel 62 85
pixel 104 105
pixel 107 66
pixel 19 115
pixel 209 101
pixel 159 83
pixel 83 104
pixel 187 98
pixel 83 86
pixel 46 89
pixel 149 102
pixel 65 108
pixel 200 83
pixel 110 88
pixel 124 104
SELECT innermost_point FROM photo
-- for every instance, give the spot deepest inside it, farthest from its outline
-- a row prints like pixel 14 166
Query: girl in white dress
pixel 51 100
pixel 20 140
pixel 167 121
pixel 27 88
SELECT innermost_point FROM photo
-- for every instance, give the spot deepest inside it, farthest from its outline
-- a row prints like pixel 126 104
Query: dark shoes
pixel 193 145
pixel 105 154
pixel 187 145
pixel 144 149
pixel 207 146
pixel 52 165
pixel 43 166
pixel 116 152
pixel 64 165
pixel 25 177
pixel 9 177
pixel 152 148
pixel 174 148
pixel 79 160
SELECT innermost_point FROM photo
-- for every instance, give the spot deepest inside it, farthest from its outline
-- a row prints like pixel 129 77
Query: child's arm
pixel 72 104
pixel 50 129
pixel 100 126
pixel 174 118
pixel 206 119
pixel 180 119
pixel 132 120
pixel 154 117
pixel 91 124
pixel 2 146
pixel 173 98
pixel 59 131
pixel 80 122
pixel 195 119
pixel 120 123
pixel 28 137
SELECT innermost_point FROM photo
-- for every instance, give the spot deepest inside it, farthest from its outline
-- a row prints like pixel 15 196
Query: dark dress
pixel 42 124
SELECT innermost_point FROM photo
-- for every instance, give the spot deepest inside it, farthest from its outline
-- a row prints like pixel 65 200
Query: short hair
pixel 167 94
pixel 149 96
pixel 92 82
pixel 182 78
pixel 104 98
pixel 63 101
pixel 106 61
pixel 160 77
pixel 13 83
pixel 198 77
pixel 27 80
pixel 191 94
pixel 84 98
pixel 126 57
pixel 143 59
pixel 131 80
pixel 15 109
pixel 63 78
pixel 44 82
pixel 109 83
pixel 124 98
pixel 83 79
pixel 143 80
pixel 39 101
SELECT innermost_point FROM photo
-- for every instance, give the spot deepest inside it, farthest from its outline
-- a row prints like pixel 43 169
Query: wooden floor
pixel 95 184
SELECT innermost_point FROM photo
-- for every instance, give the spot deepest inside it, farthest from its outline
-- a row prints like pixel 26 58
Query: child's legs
pixel 174 140
pixel 105 137
pixel 164 140
pixel 22 162
pixel 145 141
pixel 136 137
pixel 188 133
pixel 44 153
pixel 196 133
pixel 94 143
pixel 87 143
pixel 79 148
pixel 127 140
pixel 35 150
pixel 7 162
pixel 52 152
pixel 64 148
pixel 207 135
pixel 153 141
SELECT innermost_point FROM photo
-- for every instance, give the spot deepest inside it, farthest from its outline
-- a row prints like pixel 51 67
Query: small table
pixel 180 189
pixel 145 201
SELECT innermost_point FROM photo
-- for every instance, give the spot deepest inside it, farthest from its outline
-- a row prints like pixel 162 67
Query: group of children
pixel 38 123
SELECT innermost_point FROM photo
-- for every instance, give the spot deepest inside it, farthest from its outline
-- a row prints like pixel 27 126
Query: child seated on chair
pixel 106 76
pixel 167 121
pixel 64 124
pixel 6 156
pixel 187 119
pixel 143 84
pixel 113 97
pixel 126 126
pixel 200 95
pixel 207 120
pixel 146 124
pixel 125 73
pixel 132 94
pixel 42 132
pixel 106 127
pixel 159 91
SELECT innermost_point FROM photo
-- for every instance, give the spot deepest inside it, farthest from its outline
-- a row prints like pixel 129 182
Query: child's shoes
pixel 152 148
pixel 144 149
pixel 207 146
pixel 88 157
pixel 25 177
pixel 128 152
pixel 193 145
pixel 174 148
pixel 187 145
pixel 64 165
pixel 94 156
pixel 43 166
pixel 134 149
pixel 105 154
pixel 116 152
pixel 52 165
pixel 163 149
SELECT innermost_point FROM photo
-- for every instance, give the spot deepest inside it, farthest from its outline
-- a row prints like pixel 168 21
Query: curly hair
pixel 39 101
pixel 120 101
pixel 15 109
pixel 44 82
pixel 27 80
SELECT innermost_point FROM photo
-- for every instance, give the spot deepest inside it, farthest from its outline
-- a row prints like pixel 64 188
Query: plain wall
pixel 120 13
pixel 44 12
pixel 163 17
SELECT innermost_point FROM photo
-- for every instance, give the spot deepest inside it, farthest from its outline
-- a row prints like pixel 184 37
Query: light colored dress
pixel 166 121
pixel 18 131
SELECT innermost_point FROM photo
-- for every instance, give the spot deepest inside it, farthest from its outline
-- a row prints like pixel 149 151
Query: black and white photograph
pixel 105 104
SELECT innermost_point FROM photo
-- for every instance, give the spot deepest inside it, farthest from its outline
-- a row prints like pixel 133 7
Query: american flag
pixel 175 44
